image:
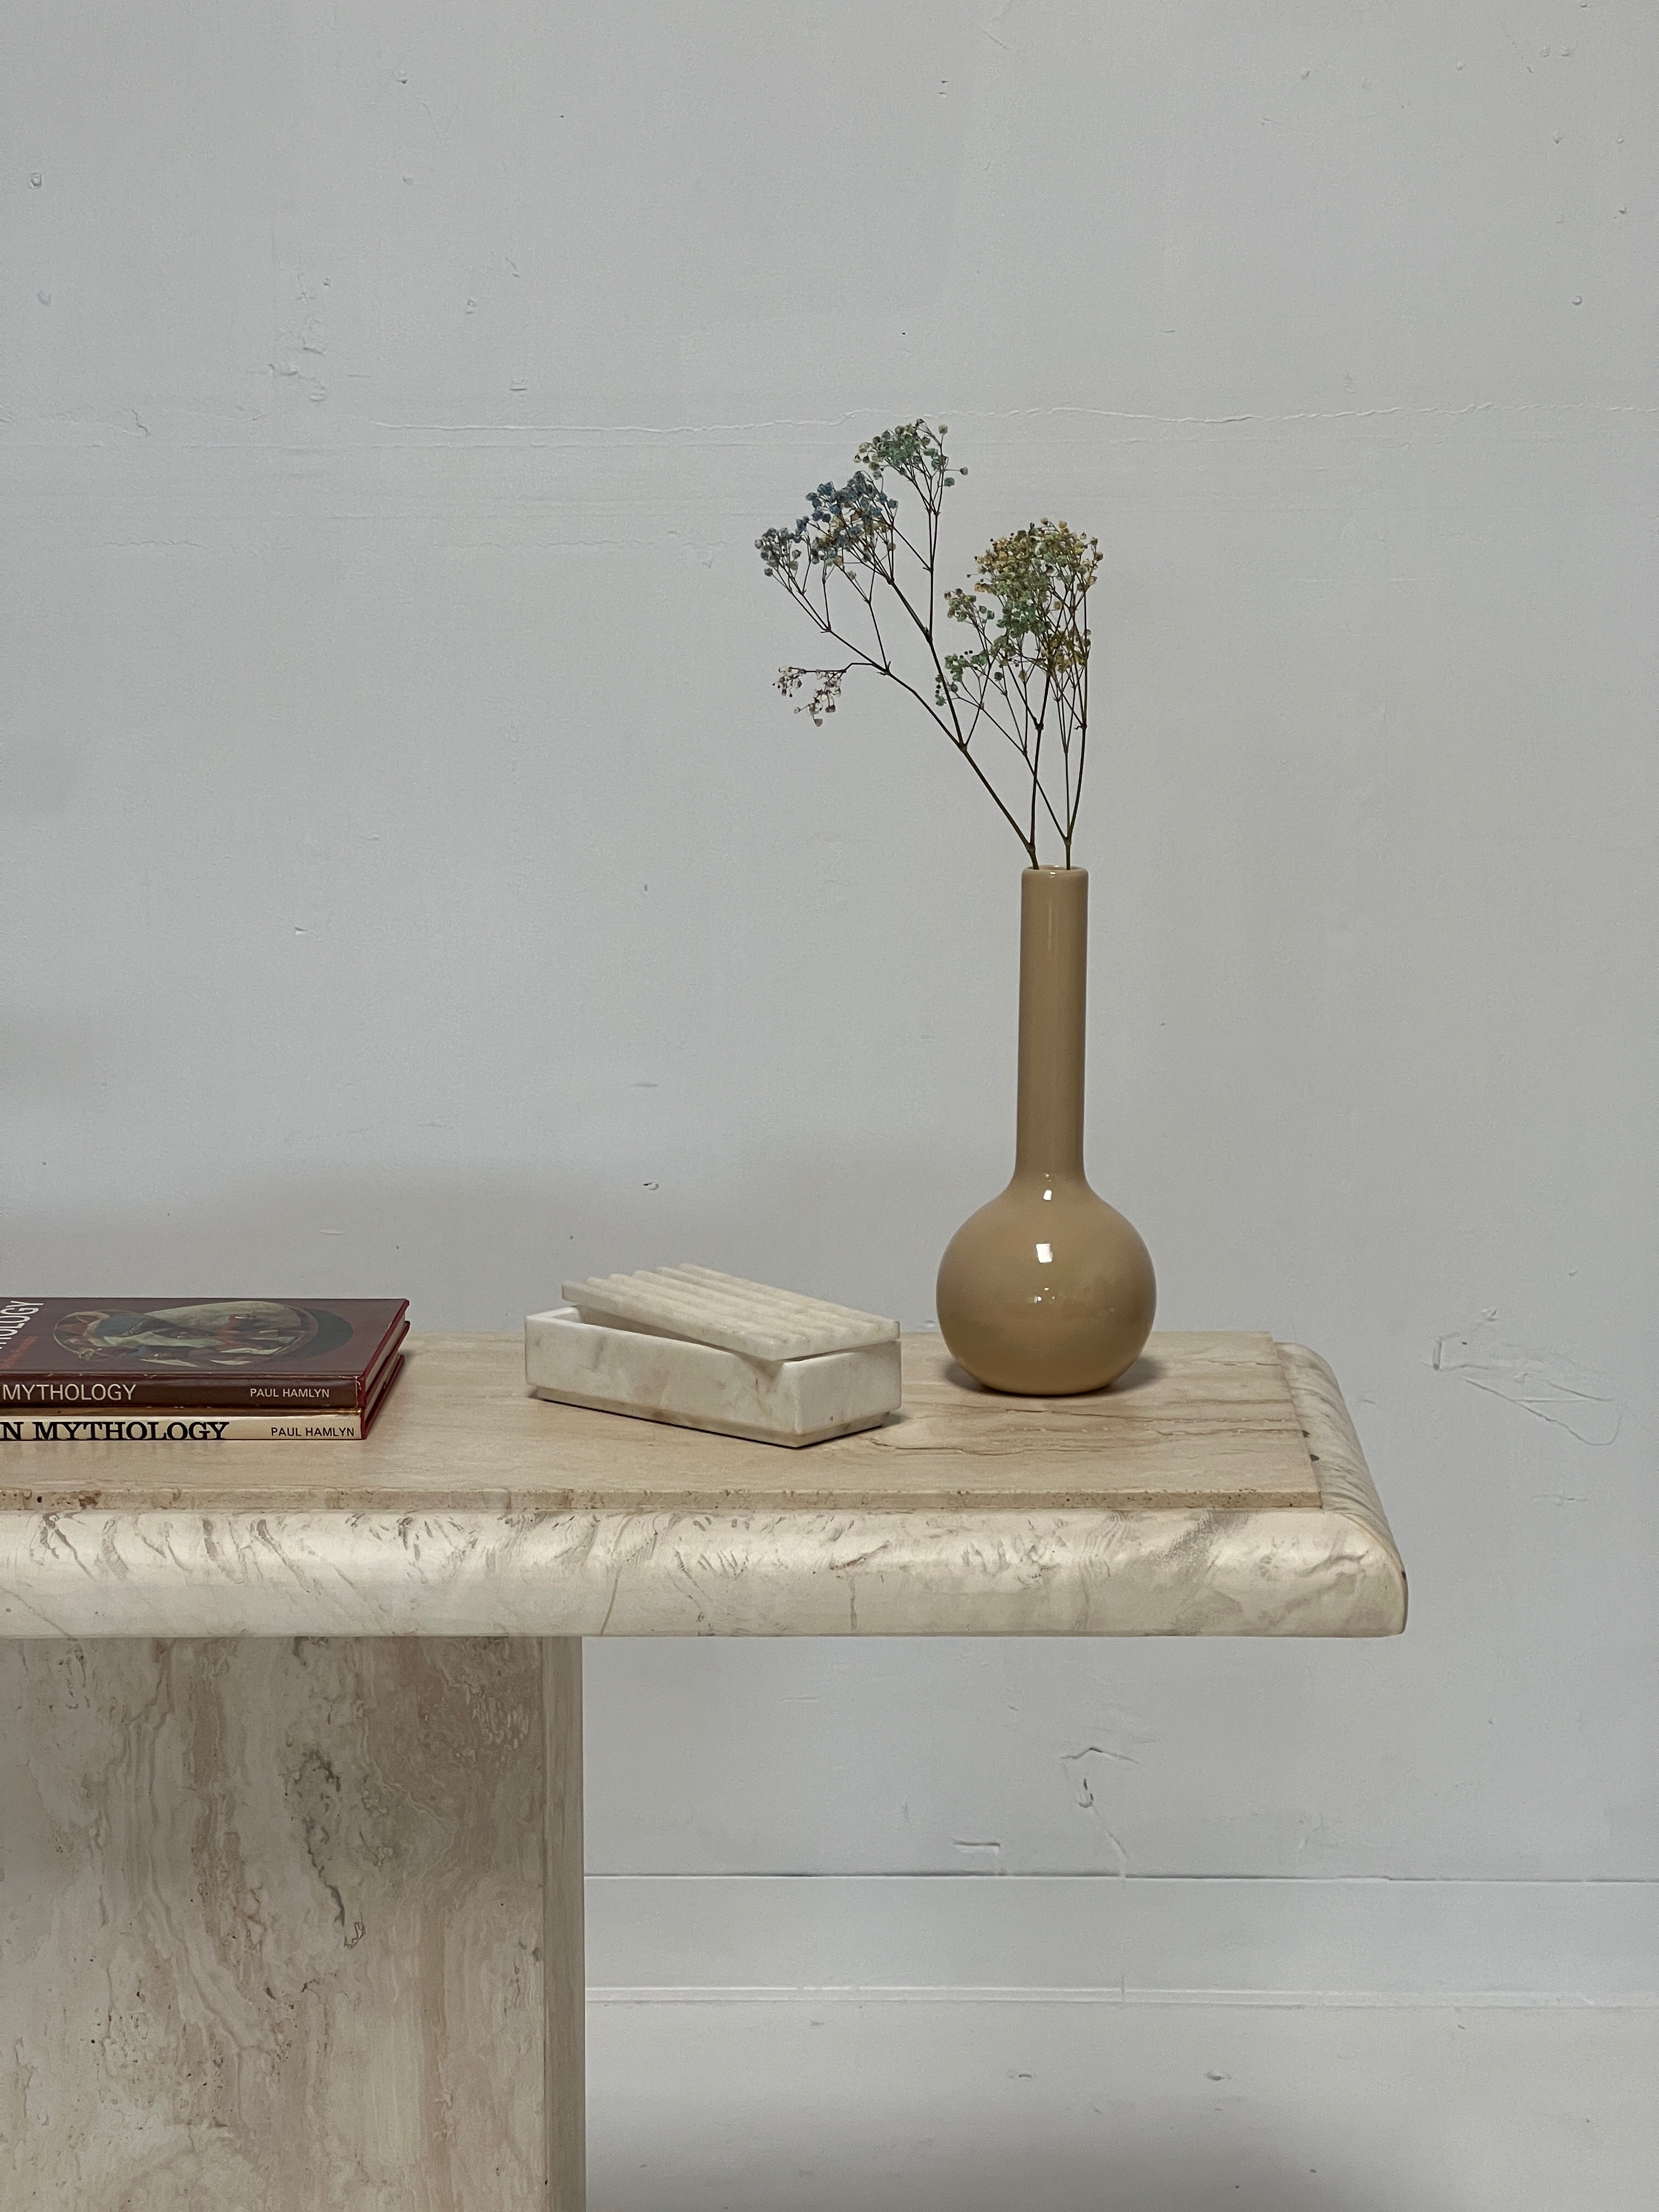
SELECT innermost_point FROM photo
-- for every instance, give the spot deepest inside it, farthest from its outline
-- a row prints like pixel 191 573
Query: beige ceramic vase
pixel 1048 1291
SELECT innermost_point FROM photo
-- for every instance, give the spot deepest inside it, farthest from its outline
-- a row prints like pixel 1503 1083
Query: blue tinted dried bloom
pixel 779 549
pixel 911 450
pixel 850 521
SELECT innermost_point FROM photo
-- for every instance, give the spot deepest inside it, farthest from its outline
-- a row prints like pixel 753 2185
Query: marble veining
pixel 753 1319
pixel 791 1402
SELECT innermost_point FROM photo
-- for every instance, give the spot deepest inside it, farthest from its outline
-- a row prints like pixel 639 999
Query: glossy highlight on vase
pixel 1048 1291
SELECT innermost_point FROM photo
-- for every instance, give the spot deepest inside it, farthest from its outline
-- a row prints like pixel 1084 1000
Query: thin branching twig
pixel 1023 676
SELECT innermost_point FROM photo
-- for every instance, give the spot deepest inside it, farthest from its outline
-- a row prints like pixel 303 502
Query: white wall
pixel 413 884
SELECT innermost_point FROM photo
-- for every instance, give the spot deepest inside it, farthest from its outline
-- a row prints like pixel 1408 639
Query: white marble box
pixel 700 1386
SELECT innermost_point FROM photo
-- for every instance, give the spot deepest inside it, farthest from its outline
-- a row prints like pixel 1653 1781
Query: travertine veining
pixel 271 1926
pixel 291 1923
pixel 1315 1571
pixel 1327 1570
pixel 1187 1573
pixel 1345 1481
pixel 1203 1419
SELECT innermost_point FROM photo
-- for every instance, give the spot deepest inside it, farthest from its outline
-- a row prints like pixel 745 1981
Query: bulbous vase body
pixel 1049 1291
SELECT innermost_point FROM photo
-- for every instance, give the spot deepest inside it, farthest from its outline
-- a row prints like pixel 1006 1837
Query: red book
pixel 298 1354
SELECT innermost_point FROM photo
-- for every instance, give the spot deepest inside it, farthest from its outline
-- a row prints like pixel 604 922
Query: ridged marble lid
pixel 709 1308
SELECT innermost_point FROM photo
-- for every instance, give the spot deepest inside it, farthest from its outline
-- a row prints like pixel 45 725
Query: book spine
pixel 176 1427
pixel 110 1394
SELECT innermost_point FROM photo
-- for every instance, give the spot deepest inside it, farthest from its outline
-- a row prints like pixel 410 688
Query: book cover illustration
pixel 221 1351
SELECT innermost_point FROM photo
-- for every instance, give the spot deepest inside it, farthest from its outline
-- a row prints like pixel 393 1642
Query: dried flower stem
pixel 1024 678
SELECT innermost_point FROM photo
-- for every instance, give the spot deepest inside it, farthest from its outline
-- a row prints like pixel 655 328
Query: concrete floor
pixel 997 2107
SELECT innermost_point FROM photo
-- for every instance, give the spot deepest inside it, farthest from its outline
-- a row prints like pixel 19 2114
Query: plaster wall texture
pixel 412 882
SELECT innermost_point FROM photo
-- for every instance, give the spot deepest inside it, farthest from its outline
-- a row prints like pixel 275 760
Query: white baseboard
pixel 1148 1939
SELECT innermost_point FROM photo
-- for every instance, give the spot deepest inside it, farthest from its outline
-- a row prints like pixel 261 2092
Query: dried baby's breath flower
pixel 1024 677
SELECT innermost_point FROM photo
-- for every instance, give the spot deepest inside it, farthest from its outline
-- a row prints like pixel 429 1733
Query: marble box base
pixel 698 1386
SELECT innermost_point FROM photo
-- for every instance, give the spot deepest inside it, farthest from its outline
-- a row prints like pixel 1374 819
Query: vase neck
pixel 1054 961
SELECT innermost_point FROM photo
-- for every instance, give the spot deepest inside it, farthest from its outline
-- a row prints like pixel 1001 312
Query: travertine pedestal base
pixel 277 1913
pixel 276 1917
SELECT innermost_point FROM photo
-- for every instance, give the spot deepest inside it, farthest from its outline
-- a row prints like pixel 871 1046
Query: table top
pixel 1201 1420
pixel 1219 1489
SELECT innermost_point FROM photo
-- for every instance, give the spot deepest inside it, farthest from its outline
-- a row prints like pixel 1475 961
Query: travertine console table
pixel 290 1736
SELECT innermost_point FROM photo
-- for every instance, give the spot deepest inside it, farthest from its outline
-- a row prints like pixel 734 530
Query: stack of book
pixel 196 1370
